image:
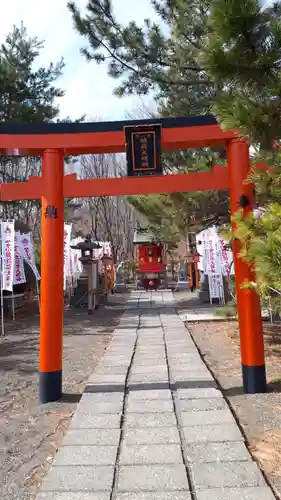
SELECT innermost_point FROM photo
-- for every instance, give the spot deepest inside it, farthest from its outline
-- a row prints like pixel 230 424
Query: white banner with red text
pixel 67 265
pixel 7 254
pixel 26 249
pixel 19 273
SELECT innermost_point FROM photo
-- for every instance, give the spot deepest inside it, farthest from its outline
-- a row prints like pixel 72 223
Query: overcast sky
pixel 88 88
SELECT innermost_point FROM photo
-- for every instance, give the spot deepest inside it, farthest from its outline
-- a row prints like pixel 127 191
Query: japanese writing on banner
pixel 212 269
pixel 19 273
pixel 67 256
pixel 8 254
pixel 27 252
pixel 76 264
pixel 225 260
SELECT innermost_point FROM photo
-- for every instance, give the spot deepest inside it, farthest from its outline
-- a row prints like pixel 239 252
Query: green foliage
pixel 174 215
pixel 162 57
pixel 153 56
pixel 219 55
pixel 260 245
pixel 27 95
pixel 242 56
pixel 228 311
pixel 222 55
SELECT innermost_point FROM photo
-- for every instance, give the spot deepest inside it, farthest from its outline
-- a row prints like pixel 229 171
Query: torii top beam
pixel 109 137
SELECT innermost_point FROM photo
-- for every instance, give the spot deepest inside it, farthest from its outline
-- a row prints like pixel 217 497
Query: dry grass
pixel 267 452
pixel 272 338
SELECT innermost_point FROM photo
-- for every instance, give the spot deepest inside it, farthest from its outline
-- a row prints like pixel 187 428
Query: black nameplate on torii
pixel 143 150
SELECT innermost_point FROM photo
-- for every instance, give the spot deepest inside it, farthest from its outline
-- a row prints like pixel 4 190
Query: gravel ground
pixel 259 415
pixel 30 432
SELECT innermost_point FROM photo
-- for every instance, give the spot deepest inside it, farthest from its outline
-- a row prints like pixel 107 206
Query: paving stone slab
pixel 179 345
pixel 181 349
pixel 151 435
pixel 194 376
pixel 102 408
pixel 150 420
pixel 144 369
pixel 195 405
pixel 175 495
pixel 151 454
pixel 148 360
pixel 150 395
pixel 212 417
pixel 185 340
pixel 147 378
pixel 194 367
pixel 213 433
pixel 154 347
pixel 184 358
pixel 91 420
pixel 164 406
pixel 178 332
pixel 149 355
pixel 122 350
pixel 86 455
pixel 116 362
pixel 102 397
pixel 199 393
pixel 111 370
pixel 174 323
pixel 155 337
pixel 107 379
pixel 177 326
pixel 112 357
pixel 74 478
pixel 217 452
pixel 152 478
pixel 259 493
pixel 146 346
pixel 148 333
pixel 226 474
pixel 54 495
pixel 119 341
pixel 124 335
pixel 118 353
pixel 148 351
pixel 99 437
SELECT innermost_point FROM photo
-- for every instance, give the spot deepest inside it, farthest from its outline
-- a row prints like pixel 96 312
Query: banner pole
pixel 2 297
pixel 38 293
pixel 13 306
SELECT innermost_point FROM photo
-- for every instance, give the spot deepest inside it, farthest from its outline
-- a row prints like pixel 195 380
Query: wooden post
pixel 52 256
pixel 90 287
pixel 248 303
pixel 196 275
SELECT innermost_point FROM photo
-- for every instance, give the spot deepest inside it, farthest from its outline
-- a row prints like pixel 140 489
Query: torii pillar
pixel 248 302
pixel 52 258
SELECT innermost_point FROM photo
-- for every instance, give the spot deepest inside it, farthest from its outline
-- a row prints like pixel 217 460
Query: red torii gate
pixel 53 142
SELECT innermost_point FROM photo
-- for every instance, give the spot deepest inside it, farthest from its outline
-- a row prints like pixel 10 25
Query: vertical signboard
pixel 143 150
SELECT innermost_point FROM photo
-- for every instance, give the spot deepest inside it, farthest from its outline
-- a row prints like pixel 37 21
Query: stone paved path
pixel 151 424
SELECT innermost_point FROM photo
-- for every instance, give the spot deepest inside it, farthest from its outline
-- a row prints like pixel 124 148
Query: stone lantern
pixel 88 281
